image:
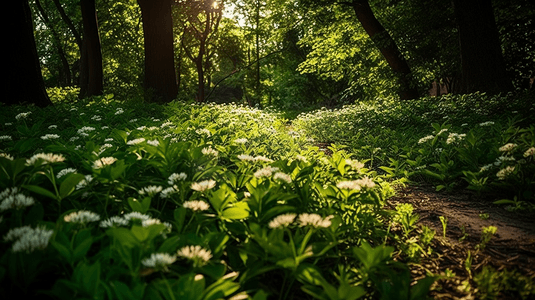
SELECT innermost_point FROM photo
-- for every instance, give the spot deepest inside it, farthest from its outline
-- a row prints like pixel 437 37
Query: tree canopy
pixel 284 53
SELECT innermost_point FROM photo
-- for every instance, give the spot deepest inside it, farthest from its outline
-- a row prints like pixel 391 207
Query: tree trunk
pixel 160 78
pixel 387 46
pixel 91 74
pixel 24 81
pixel 483 67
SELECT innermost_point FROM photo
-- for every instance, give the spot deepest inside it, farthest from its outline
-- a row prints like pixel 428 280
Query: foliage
pixel 132 200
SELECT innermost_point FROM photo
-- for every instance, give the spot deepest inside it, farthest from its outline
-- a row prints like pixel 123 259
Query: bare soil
pixel 511 248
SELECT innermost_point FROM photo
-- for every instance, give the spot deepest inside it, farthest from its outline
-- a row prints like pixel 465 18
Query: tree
pixel 203 18
pixel 24 81
pixel 387 46
pixel 483 67
pixel 160 78
pixel 91 74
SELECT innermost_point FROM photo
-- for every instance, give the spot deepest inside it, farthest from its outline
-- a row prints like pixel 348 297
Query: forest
pixel 268 149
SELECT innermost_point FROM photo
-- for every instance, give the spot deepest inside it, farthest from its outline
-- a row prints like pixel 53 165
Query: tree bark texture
pixel 387 47
pixel 483 67
pixel 23 81
pixel 91 73
pixel 160 78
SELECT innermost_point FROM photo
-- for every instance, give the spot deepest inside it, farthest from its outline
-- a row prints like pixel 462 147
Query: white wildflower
pixel 85 129
pixel 5 155
pixel 282 221
pixel 136 216
pixel 65 172
pixel 150 190
pixel 5 138
pixel 203 185
pixel 349 185
pixel 204 131
pixel 196 205
pixel 208 151
pixel 314 220
pixel 425 139
pixel 74 138
pixel 154 143
pixel 50 136
pixel 11 198
pixel 119 111
pixel 174 178
pixel 265 172
pixel 263 159
pixel 199 255
pixel 159 261
pixel 365 182
pixel 241 141
pixel 136 141
pixel 45 158
pixel 530 152
pixel 246 157
pixel 488 123
pixel 113 221
pixel 354 164
pixel 81 217
pixel 442 131
pixel 508 147
pixel 282 177
pixel 503 173
pixel 103 162
pixel 85 182
pixel 23 115
pixel 167 192
pixel 28 239
pixel 486 168
pixel 454 137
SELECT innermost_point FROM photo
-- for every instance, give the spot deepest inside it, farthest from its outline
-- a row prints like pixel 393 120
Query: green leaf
pixel 239 211
pixel 69 184
pixel 39 190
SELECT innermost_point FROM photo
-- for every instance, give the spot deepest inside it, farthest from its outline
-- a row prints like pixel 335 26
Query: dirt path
pixel 511 248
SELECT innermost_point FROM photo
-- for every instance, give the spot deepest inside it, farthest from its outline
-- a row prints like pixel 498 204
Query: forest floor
pixel 511 248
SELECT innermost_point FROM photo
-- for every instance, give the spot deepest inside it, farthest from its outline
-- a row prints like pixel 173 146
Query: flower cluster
pixel 45 158
pixel 203 185
pixel 503 173
pixel 425 139
pixel 266 172
pixel 81 217
pixel 175 177
pixel 23 115
pixel 197 254
pixel 358 184
pixel 455 137
pixel 135 141
pixel 11 198
pixel 150 190
pixel 314 220
pixel 103 162
pixel 196 205
pixel 28 239
pixel 282 221
pixel 159 261
pixel 208 151
pixel 508 147
pixel 65 172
